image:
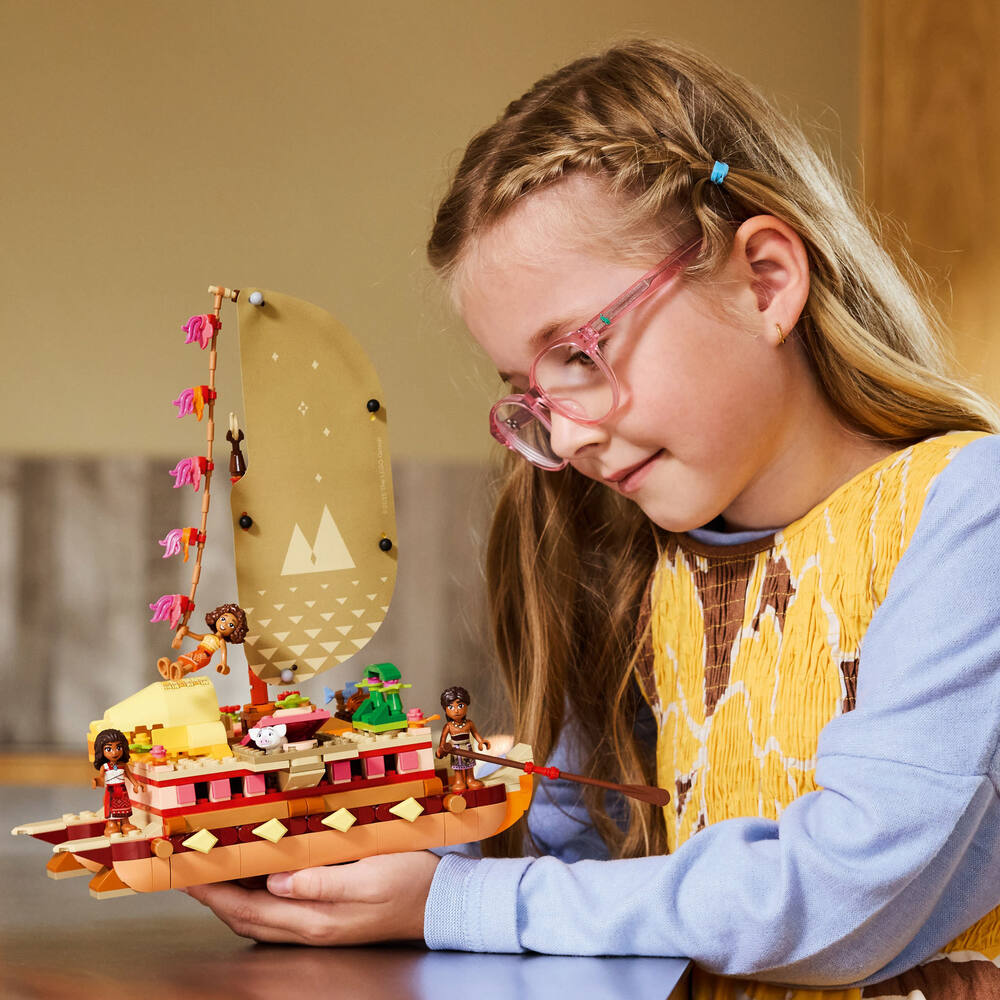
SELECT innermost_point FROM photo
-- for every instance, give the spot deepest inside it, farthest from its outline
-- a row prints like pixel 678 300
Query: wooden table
pixel 56 941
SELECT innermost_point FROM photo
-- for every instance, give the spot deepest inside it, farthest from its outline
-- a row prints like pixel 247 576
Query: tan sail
pixel 314 571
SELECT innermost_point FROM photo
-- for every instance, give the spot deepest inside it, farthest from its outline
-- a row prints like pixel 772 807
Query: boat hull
pixel 314 848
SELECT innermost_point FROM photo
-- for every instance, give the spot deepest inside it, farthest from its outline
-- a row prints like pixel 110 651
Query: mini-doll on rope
pixel 228 624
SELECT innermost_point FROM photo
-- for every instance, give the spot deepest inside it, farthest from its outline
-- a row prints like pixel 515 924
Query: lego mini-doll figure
pixel 461 730
pixel 110 756
pixel 228 623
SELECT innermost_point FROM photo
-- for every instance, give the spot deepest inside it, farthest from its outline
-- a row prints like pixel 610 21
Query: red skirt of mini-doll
pixel 117 804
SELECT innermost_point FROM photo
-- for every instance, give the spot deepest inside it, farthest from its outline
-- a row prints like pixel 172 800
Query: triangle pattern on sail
pixel 327 552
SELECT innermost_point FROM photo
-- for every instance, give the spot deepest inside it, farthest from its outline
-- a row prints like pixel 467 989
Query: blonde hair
pixel 568 561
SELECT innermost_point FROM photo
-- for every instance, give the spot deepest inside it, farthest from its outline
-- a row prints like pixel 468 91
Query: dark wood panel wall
pixel 930 125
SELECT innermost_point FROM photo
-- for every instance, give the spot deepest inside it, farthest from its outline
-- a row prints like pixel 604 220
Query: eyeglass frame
pixel 587 338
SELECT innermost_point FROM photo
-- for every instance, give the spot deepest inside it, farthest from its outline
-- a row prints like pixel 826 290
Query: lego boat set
pixel 215 807
pixel 233 792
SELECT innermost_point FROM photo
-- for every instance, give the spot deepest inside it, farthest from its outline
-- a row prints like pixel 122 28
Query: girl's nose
pixel 571 439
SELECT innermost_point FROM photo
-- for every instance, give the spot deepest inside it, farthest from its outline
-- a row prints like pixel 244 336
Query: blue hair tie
pixel 719 171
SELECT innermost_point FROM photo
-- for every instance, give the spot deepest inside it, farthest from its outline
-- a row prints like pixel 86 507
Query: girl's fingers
pixel 374 899
pixel 256 914
pixel 328 885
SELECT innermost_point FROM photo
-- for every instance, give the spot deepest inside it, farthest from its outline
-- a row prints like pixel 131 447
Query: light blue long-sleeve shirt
pixel 897 854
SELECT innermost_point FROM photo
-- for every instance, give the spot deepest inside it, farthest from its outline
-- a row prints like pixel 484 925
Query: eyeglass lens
pixel 575 386
pixel 524 432
pixel 574 383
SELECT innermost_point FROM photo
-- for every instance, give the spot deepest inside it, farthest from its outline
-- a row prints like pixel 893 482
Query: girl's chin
pixel 670 515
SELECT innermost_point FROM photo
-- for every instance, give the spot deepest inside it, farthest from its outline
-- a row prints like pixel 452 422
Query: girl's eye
pixel 579 358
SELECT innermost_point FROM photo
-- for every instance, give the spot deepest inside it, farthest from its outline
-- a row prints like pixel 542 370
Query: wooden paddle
pixel 645 793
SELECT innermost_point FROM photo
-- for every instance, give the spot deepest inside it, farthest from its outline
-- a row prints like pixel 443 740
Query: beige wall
pixel 153 148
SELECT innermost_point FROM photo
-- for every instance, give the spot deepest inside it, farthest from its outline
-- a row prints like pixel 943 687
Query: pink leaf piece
pixel 187 472
pixel 172 542
pixel 199 330
pixel 162 607
pixel 176 610
pixel 185 403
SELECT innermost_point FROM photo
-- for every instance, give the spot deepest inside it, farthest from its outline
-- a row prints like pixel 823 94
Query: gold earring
pixel 781 334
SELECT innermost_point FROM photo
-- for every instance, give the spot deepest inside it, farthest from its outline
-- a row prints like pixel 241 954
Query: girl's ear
pixel 771 257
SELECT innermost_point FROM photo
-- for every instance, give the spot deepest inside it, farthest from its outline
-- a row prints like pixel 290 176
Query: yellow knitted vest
pixel 755 648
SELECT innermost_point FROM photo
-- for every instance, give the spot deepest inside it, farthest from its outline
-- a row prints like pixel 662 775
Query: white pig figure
pixel 270 739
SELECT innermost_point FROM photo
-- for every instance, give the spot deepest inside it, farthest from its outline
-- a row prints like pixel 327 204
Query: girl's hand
pixel 381 898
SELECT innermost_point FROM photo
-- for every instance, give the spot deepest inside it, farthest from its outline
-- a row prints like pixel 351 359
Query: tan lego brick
pixel 290 781
pixel 192 868
pixel 261 858
pixel 239 816
pixel 400 835
pixel 159 874
pixel 461 827
pixel 136 873
pixel 491 818
pixel 332 847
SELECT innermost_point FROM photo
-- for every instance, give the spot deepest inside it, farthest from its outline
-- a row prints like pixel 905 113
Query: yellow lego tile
pixel 409 809
pixel 341 820
pixel 273 830
pixel 202 841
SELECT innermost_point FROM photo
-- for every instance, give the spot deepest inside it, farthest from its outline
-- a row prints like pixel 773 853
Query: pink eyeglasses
pixel 571 376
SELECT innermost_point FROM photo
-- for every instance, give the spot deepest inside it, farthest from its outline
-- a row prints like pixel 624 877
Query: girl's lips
pixel 631 482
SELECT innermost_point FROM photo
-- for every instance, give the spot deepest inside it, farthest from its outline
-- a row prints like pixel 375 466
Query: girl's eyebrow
pixel 538 340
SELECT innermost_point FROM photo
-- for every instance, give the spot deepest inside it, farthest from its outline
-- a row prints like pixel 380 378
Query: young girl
pixel 740 476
